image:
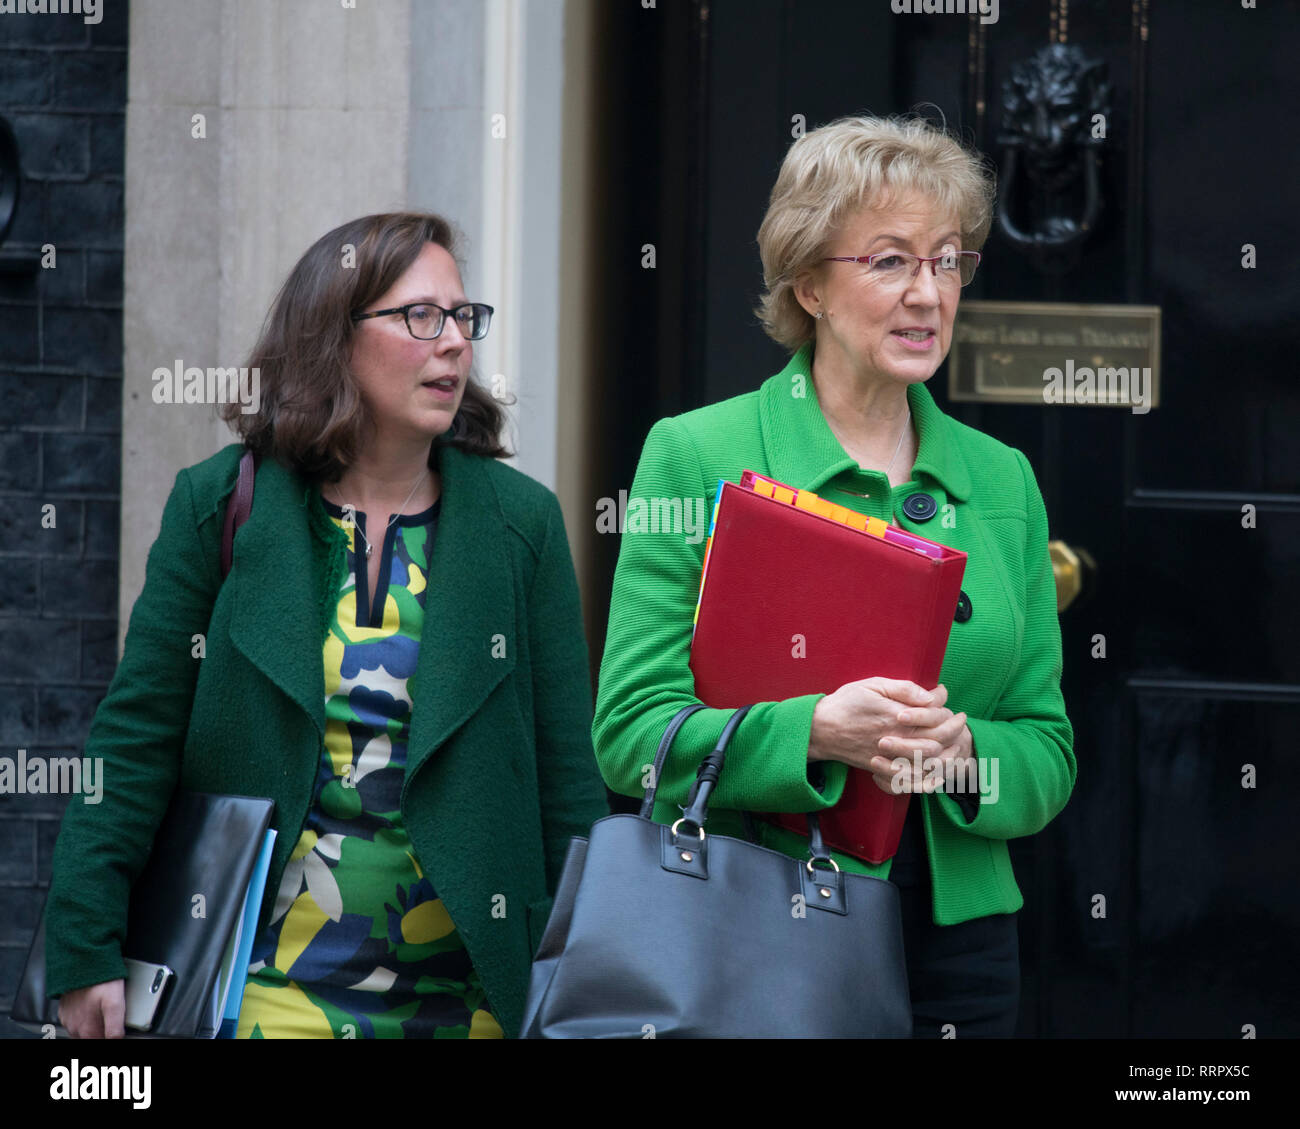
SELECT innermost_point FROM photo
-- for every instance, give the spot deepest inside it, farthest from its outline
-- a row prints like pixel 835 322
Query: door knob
pixel 1073 569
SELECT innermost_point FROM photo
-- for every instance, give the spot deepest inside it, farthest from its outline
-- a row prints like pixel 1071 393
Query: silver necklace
pixel 350 514
pixel 899 445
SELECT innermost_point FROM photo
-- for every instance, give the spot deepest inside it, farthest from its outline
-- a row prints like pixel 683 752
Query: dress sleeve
pixel 1027 740
pixel 645 677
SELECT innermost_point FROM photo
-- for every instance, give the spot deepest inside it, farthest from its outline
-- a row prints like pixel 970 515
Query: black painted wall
pixel 63 92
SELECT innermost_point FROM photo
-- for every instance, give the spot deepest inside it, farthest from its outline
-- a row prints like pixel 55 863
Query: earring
pixel 818 315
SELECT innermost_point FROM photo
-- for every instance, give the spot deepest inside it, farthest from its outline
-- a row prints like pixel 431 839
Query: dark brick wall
pixel 63 91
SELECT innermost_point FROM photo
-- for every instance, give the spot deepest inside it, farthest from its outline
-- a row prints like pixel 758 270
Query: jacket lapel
pixel 287 569
pixel 468 644
pixel 277 569
pixel 802 451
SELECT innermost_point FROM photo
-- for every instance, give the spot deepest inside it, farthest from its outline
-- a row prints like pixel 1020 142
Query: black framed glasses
pixel 424 320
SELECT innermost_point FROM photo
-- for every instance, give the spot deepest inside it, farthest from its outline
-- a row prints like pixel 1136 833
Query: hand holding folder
pixel 193 911
pixel 800 596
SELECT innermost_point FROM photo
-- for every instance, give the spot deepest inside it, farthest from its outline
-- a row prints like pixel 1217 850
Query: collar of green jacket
pixel 804 451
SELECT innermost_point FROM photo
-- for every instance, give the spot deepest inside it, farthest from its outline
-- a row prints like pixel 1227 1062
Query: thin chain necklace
pixel 350 514
pixel 897 447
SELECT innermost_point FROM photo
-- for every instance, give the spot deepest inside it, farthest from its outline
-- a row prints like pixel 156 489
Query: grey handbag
pixel 664 931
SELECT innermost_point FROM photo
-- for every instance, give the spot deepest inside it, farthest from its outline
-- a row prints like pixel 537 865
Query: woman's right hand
pixel 97 1012
pixel 847 725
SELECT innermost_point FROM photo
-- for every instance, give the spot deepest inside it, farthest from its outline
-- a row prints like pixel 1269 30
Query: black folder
pixel 206 845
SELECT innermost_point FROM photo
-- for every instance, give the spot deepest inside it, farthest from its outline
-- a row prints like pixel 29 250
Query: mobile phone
pixel 145 985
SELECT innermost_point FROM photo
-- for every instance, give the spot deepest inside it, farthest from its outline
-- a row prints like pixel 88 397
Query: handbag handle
pixel 648 804
pixel 706 778
pixel 707 774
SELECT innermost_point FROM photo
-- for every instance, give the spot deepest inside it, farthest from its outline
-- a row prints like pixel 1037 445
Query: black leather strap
pixel 661 754
pixel 698 806
pixel 237 509
pixel 706 778
pixel 816 845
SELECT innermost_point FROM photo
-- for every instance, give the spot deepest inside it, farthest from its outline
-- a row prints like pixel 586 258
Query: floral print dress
pixel 359 944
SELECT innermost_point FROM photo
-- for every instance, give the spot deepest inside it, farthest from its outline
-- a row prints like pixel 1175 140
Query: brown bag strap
pixel 238 508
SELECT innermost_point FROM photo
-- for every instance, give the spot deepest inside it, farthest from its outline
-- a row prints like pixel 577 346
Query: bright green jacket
pixel 499 771
pixel 1002 666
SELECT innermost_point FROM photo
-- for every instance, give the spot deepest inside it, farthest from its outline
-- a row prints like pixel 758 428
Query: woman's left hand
pixel 917 761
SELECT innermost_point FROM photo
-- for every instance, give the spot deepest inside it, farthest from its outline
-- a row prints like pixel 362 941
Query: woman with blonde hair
pixel 873 228
pixel 396 658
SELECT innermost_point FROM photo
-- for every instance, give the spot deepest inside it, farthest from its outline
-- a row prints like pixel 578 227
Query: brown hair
pixel 312 417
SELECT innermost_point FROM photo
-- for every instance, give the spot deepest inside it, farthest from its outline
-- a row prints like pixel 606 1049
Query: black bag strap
pixel 697 804
pixel 817 845
pixel 661 754
pixel 238 508
pixel 706 778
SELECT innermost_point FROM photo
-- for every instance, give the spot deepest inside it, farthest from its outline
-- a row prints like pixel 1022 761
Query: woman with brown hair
pixel 396 659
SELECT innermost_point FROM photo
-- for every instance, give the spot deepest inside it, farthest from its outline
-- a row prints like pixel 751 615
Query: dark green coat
pixel 500 771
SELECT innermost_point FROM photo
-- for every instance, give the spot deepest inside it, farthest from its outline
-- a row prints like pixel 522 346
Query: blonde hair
pixel 830 173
